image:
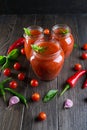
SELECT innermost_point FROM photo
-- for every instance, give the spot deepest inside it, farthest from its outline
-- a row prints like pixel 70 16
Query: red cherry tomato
pixel 34 83
pixel 21 76
pixel 85 46
pixel 42 116
pixel 46 31
pixel 35 97
pixel 13 84
pixel 7 72
pixel 23 51
pixel 78 66
pixel 84 56
pixel 17 66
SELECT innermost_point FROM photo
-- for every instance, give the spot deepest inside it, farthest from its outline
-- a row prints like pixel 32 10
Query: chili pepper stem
pixel 65 89
pixel 4 98
pixel 3 94
pixel 26 105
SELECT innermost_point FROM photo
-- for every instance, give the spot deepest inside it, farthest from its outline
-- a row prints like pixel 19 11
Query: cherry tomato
pixel 21 76
pixel 46 31
pixel 13 84
pixel 85 46
pixel 42 116
pixel 84 56
pixel 23 51
pixel 77 66
pixel 34 83
pixel 35 97
pixel 17 66
pixel 7 72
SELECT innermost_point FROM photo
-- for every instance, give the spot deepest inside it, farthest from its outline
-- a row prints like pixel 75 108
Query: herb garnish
pixel 63 31
pixel 5 60
pixel 50 95
pixel 38 48
pixel 27 31
pixel 75 45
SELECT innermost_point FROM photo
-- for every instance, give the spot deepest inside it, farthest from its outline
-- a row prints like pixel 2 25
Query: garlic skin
pixel 68 103
pixel 13 100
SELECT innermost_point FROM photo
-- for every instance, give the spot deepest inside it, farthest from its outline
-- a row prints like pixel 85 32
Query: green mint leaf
pixel 75 45
pixel 27 31
pixel 13 55
pixel 2 60
pixel 38 48
pixel 50 95
pixel 64 31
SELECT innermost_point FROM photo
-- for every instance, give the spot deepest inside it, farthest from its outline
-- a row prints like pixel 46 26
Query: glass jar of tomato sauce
pixel 62 33
pixel 48 63
pixel 36 33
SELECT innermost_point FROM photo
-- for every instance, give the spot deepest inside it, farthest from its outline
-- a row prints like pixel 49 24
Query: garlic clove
pixel 13 100
pixel 68 103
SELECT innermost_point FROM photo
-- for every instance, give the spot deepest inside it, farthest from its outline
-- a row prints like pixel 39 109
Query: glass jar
pixel 36 33
pixel 47 64
pixel 62 33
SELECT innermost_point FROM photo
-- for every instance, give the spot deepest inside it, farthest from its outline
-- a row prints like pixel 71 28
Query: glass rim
pixel 65 26
pixel 49 55
pixel 60 26
pixel 34 27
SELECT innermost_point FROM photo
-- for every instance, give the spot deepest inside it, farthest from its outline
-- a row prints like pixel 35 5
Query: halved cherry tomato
pixel 35 97
pixel 42 116
pixel 13 84
pixel 7 72
pixel 23 51
pixel 85 46
pixel 84 56
pixel 17 66
pixel 78 66
pixel 21 76
pixel 34 83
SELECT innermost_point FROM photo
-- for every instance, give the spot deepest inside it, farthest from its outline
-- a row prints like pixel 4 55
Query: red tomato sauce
pixel 35 35
pixel 49 63
pixel 35 32
pixel 66 40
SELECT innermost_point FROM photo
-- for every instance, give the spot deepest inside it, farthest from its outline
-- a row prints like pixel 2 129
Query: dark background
pixel 42 6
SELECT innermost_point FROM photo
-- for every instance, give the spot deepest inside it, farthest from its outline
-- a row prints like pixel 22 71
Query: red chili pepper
pixel 71 81
pixel 16 44
pixel 85 84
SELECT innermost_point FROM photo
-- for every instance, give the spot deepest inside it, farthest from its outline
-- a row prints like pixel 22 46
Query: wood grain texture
pixel 58 118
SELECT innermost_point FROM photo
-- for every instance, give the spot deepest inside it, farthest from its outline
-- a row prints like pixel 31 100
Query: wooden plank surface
pixel 58 118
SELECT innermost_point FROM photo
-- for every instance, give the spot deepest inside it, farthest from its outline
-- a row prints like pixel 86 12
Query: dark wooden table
pixel 58 118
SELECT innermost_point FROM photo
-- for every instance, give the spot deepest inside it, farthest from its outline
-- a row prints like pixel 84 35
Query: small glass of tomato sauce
pixel 36 34
pixel 47 64
pixel 62 33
